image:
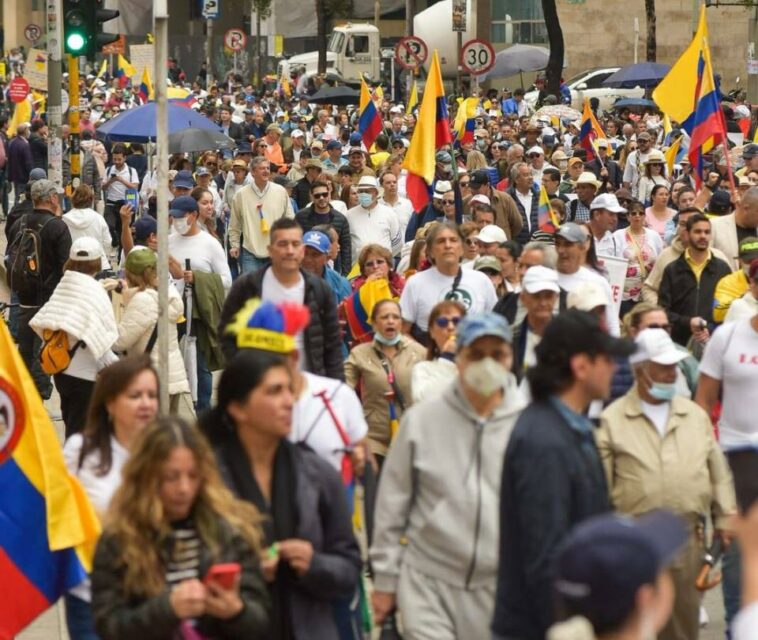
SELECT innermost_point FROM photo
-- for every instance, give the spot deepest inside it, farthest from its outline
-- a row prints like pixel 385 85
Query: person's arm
pixel 346 249
pixel 235 224
pixel 723 501
pixel 514 218
pixel 707 392
pixel 219 263
pixel 127 241
pixel 605 449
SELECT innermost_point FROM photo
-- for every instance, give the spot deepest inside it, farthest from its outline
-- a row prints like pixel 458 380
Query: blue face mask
pixel 662 390
pixel 388 342
pixel 365 200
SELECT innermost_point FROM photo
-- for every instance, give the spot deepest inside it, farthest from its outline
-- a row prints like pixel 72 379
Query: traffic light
pixel 82 27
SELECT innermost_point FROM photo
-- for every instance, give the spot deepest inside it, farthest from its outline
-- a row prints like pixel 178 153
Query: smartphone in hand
pixel 223 574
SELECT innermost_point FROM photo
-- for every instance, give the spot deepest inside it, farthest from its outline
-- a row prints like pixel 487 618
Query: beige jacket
pixel 668 255
pixel 507 215
pixel 364 373
pixel 246 220
pixel 685 471
pixel 724 238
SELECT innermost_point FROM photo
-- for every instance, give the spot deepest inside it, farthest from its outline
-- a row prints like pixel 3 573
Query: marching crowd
pixel 541 451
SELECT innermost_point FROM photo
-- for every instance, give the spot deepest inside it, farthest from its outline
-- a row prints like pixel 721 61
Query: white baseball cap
pixel 657 346
pixel 85 248
pixel 480 198
pixel 539 278
pixel 492 233
pixel 587 296
pixel 607 201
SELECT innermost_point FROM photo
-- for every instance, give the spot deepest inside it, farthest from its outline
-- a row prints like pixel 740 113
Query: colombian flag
pixel 145 91
pixel 708 125
pixel 432 131
pixel 465 120
pixel 124 71
pixel 48 527
pixel 590 131
pixel 359 305
pixel 369 122
pixel 189 102
pixel 546 218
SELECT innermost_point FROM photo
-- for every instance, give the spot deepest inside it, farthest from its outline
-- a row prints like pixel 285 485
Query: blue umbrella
pixel 634 102
pixel 139 124
pixel 642 74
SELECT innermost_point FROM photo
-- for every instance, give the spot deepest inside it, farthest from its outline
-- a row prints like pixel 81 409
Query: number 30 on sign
pixel 477 57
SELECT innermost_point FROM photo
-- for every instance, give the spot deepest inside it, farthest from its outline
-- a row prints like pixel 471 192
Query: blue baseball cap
pixel 333 144
pixel 355 139
pixel 181 206
pixel 604 561
pixel 184 180
pixel 317 240
pixel 483 324
pixel 243 147
pixel 144 226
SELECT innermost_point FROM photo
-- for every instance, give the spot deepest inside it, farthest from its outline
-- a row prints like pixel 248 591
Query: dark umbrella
pixel 139 124
pixel 642 74
pixel 634 102
pixel 341 95
pixel 189 140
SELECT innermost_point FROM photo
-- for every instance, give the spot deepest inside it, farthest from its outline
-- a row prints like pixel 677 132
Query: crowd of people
pixel 540 454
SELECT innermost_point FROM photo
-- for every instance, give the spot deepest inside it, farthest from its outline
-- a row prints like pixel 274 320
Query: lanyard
pixel 347 462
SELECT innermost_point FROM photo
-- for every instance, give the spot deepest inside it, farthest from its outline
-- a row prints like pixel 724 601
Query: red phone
pixel 223 574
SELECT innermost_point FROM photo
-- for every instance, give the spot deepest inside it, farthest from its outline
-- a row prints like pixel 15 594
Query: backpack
pixel 24 260
pixel 55 355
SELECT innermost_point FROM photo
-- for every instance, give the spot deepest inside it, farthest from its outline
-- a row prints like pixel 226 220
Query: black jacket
pixel 552 479
pixel 322 337
pixel 236 132
pixel 323 519
pixel 119 617
pixel 56 245
pixel 307 218
pixel 38 147
pixel 684 298
pixel 529 218
pixel 301 192
pixel 613 180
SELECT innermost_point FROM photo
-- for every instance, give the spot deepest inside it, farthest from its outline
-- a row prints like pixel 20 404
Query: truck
pixel 356 49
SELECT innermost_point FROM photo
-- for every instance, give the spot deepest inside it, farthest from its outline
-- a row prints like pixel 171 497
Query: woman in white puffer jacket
pixel 83 221
pixel 140 316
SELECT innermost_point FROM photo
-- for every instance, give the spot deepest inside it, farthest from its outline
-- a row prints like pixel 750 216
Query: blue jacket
pixel 340 285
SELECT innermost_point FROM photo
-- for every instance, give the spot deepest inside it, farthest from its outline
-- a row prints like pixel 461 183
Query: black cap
pixel 750 150
pixel 575 331
pixel 720 202
pixel 479 177
pixel 607 558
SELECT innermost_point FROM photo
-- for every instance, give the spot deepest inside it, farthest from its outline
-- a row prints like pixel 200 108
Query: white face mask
pixel 487 376
pixel 181 225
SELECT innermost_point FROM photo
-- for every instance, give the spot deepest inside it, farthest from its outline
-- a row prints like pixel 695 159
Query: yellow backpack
pixel 55 355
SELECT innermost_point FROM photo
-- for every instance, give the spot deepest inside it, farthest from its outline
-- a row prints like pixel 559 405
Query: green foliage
pixel 262 8
pixel 338 8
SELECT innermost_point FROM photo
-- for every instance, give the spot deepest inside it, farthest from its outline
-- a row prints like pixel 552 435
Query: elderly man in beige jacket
pixel 659 452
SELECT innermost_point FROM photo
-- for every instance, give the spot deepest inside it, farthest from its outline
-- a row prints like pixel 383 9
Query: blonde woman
pixel 137 330
pixel 171 524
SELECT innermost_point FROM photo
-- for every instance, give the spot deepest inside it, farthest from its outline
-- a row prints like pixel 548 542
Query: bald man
pixel 728 231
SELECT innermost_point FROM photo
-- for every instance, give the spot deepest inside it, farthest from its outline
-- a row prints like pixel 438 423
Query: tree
pixel 651 43
pixel 327 10
pixel 262 10
pixel 554 69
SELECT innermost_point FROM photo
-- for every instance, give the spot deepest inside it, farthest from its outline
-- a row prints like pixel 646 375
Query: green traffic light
pixel 75 42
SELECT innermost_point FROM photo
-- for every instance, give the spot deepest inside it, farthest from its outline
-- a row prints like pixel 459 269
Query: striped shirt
pixel 183 562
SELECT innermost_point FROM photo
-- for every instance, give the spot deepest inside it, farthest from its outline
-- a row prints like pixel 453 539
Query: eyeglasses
pixel 449 203
pixel 374 263
pixel 443 323
pixel 320 195
pixel 655 325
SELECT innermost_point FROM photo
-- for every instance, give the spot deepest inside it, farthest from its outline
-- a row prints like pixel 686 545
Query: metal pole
pixel 160 9
pixel 208 54
pixel 636 37
pixel 458 80
pixel 377 12
pixel 73 120
pixel 752 36
pixel 392 80
pixel 54 113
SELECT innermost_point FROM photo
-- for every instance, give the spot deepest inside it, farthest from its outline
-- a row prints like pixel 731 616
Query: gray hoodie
pixel 440 490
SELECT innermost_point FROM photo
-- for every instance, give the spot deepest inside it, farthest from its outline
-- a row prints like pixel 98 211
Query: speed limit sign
pixel 477 57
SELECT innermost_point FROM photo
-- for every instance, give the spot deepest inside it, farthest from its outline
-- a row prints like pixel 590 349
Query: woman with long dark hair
pixel 310 556
pixel 179 556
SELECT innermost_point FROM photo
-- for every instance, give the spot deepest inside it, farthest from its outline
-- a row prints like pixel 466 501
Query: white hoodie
pixel 88 223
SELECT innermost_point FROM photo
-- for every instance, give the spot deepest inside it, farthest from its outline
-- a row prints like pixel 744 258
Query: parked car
pixel 589 84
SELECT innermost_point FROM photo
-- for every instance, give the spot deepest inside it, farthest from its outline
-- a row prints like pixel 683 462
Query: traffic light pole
pixel 53 107
pixel 73 120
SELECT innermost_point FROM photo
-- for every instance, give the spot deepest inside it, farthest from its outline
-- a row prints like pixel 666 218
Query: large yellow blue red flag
pixel 432 132
pixel 124 71
pixel 465 120
pixel 48 527
pixel 369 120
pixel 589 131
pixel 145 91
pixel 547 220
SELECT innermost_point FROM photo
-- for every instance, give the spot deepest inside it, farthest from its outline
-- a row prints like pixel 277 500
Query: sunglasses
pixel 443 323
pixel 450 203
pixel 320 195
pixel 375 263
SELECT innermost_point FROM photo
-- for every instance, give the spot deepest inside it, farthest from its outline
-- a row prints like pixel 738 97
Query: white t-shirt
pixel 607 245
pixel 570 281
pixel 205 254
pixel 313 424
pixel 377 226
pixel 658 414
pixel 731 356
pixel 117 189
pixel 99 489
pixel 403 210
pixel 425 289
pixel 273 291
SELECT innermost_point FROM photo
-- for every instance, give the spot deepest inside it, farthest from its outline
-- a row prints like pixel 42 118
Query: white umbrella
pixel 188 344
pixel 517 59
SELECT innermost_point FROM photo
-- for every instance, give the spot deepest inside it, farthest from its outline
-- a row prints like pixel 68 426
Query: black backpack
pixel 24 259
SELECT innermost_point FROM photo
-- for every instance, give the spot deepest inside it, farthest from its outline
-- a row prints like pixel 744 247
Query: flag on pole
pixel 369 120
pixel 432 131
pixel 667 130
pixel 124 71
pixel 465 120
pixel 589 131
pixel 189 102
pixel 145 91
pixel 547 220
pixel 22 113
pixel 48 528
pixel 413 98
pixel 671 154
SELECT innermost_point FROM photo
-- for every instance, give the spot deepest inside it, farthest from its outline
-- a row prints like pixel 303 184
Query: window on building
pixel 518 22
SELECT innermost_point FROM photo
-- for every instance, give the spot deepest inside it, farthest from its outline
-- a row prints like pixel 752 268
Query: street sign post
pixel 411 52
pixel 477 57
pixel 211 9
pixel 235 40
pixel 18 89
pixel 32 32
